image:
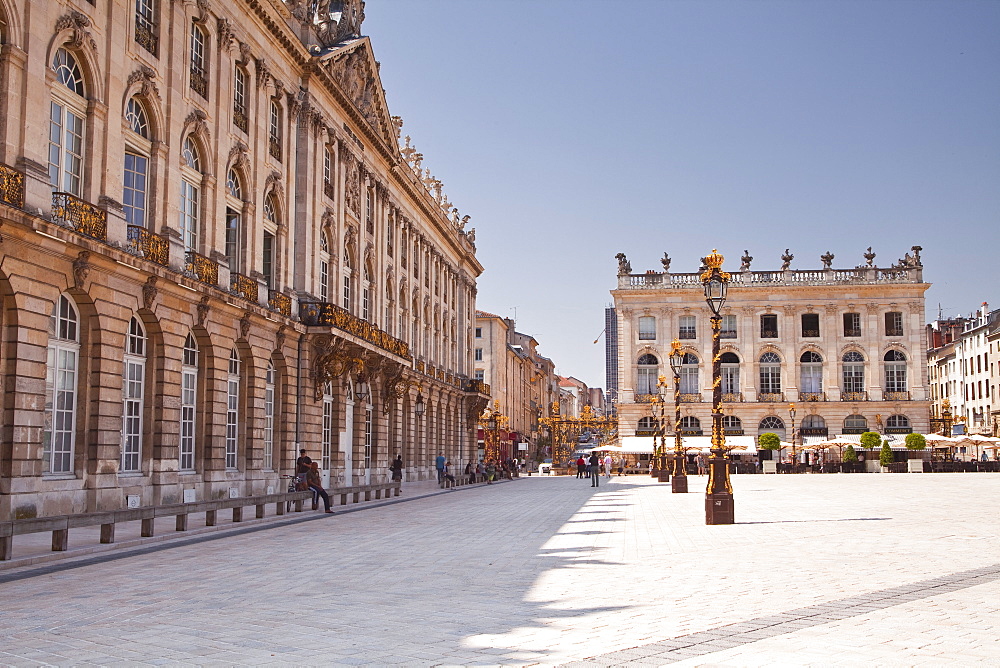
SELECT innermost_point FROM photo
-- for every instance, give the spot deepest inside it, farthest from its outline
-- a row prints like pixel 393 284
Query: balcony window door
pixel 67 123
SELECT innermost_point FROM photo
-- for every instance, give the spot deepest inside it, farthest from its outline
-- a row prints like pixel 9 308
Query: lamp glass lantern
pixel 418 407
pixel 715 293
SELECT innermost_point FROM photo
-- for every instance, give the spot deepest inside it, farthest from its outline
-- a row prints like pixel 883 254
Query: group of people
pixel 307 477
pixel 591 467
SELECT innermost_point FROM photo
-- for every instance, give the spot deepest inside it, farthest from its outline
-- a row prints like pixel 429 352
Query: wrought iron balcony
pixel 199 82
pixel 854 396
pixel 325 314
pixel 329 190
pixel 84 217
pixel 687 335
pixel 11 186
pixel 245 287
pixel 894 331
pixel 770 397
pixel 274 148
pixel 280 302
pixel 811 333
pixel 768 333
pixel 690 398
pixel 474 385
pixel 732 397
pixel 896 396
pixel 143 243
pixel 200 267
pixel 240 119
pixel 727 334
pixel 146 38
pixel 812 396
pixel 852 332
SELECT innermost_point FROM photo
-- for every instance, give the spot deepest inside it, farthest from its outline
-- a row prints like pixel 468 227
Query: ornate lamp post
pixel 791 415
pixel 719 505
pixel 680 482
pixel 661 465
pixel 493 420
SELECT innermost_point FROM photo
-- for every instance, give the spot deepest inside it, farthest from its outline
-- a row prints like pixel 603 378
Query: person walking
pixel 397 468
pixel 702 465
pixel 608 464
pixel 315 482
pixel 439 465
pixel 595 470
pixel 580 465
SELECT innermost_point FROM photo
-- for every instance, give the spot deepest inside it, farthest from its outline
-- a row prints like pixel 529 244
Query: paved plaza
pixel 820 570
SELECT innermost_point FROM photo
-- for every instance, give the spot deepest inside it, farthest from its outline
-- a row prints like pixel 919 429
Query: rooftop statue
pixel 624 266
pixel 869 256
pixel 746 260
pixel 786 260
pixel 827 259
pixel 665 261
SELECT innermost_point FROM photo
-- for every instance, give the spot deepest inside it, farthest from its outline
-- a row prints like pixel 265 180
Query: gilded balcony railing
pixel 240 119
pixel 146 38
pixel 200 267
pixel 420 366
pixel 11 186
pixel 812 396
pixel 199 82
pixel 145 244
pixel 325 314
pixel 732 397
pixel 854 396
pixel 770 397
pixel 896 396
pixel 274 148
pixel 329 190
pixel 280 302
pixel 82 216
pixel 245 287
pixel 690 398
pixel 474 385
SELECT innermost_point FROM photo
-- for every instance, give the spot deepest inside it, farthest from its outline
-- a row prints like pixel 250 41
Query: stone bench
pixel 378 488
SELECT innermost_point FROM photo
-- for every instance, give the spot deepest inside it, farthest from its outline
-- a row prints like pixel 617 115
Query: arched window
pixel 274 131
pixel 240 117
pixel 770 374
pixel 270 381
pixel 854 376
pixel 897 422
pixel 199 61
pixel 190 209
pixel 135 187
pixel 234 221
pixel 189 402
pixel 648 370
pixel 810 374
pixel 232 409
pixel 855 424
pixel 771 423
pixel 67 122
pixel 812 425
pixel 895 371
pixel 689 374
pixel 730 365
pixel 269 251
pixel 324 268
pixel 62 367
pixel 145 25
pixel 732 425
pixel 133 382
pixel 689 423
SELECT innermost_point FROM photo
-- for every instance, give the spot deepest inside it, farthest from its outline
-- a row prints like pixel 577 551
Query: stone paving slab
pixel 548 571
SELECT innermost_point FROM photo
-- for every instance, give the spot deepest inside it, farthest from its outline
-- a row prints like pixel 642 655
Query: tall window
pixel 852 324
pixel 895 371
pixel 324 268
pixel 240 117
pixel 348 270
pixel 647 328
pixel 893 323
pixel 370 210
pixel 270 378
pixel 136 174
pixel 478 355
pixel 189 397
pixel 234 231
pixel 854 373
pixel 728 330
pixel 810 324
pixel 145 26
pixel 403 246
pixel 770 374
pixel 689 374
pixel 268 248
pixel 369 436
pixel 274 131
pixel 811 373
pixel 328 188
pixel 133 380
pixel 327 436
pixel 390 232
pixel 67 112
pixel 232 408
pixel 199 64
pixel 730 364
pixel 769 326
pixel 389 322
pixel 366 295
pixel 647 372
pixel 687 327
pixel 190 212
pixel 59 426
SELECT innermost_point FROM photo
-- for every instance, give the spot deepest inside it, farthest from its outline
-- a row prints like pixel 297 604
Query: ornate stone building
pixel 845 345
pixel 216 250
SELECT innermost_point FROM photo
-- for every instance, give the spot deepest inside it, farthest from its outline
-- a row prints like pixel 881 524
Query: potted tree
pixel 915 443
pixel 768 443
pixel 871 440
pixel 885 457
pixel 850 458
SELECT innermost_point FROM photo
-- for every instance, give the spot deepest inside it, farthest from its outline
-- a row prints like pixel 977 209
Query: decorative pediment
pixel 355 71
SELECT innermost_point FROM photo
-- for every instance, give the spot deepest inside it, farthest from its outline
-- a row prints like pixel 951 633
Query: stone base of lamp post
pixel 679 485
pixel 664 475
pixel 719 509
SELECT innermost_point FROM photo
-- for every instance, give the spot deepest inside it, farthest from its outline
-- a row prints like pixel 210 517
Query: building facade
pixel 845 345
pixel 216 250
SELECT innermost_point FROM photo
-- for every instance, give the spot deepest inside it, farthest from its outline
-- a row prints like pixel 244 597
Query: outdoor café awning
pixel 646 444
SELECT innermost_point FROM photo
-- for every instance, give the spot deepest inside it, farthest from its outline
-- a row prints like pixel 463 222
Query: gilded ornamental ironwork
pixel 476 385
pixel 274 148
pixel 896 396
pixel 770 397
pixel 200 267
pixel 82 216
pixel 11 186
pixel 690 398
pixel 280 302
pixel 199 82
pixel 145 244
pixel 145 38
pixel 812 396
pixel 732 397
pixel 325 314
pixel 245 287
pixel 240 119
pixel 854 396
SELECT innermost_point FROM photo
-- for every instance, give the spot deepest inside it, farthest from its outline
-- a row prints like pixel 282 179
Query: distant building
pixel 846 345
pixel 611 357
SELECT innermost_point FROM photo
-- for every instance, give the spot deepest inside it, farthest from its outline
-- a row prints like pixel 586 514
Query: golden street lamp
pixel 719 504
pixel 680 482
pixel 493 420
pixel 661 469
pixel 791 415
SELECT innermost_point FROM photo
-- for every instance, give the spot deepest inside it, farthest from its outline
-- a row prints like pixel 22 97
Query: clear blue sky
pixel 570 130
